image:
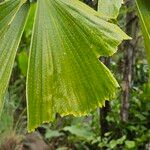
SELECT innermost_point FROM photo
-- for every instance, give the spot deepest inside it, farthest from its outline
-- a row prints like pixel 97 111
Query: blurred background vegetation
pixel 123 124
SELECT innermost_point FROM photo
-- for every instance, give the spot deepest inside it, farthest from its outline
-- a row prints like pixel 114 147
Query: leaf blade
pixel 98 29
pixel 8 10
pixel 109 9
pixel 144 15
pixel 64 74
pixel 8 47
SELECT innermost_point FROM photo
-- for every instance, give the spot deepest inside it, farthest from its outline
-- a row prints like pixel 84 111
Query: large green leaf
pixel 143 7
pixel 64 73
pixel 109 8
pixel 8 47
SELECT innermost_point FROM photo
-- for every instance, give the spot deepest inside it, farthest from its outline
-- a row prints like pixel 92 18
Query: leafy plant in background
pixel 64 74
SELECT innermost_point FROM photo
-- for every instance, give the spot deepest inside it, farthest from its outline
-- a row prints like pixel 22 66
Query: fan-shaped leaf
pixel 64 74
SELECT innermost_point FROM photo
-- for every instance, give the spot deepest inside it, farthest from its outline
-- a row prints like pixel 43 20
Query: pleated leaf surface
pixel 9 43
pixel 64 73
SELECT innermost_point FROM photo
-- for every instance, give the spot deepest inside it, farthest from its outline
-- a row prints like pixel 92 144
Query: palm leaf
pixel 64 73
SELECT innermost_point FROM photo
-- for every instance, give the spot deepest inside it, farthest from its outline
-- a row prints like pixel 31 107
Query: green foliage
pixel 13 100
pixel 129 144
pixel 52 134
pixel 23 62
pixel 64 74
pixel 80 132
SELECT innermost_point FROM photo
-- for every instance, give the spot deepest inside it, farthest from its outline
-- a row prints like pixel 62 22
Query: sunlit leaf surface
pixel 109 8
pixel 64 74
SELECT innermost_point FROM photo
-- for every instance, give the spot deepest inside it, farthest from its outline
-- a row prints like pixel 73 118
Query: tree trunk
pixel 129 57
pixel 104 126
pixel 103 122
